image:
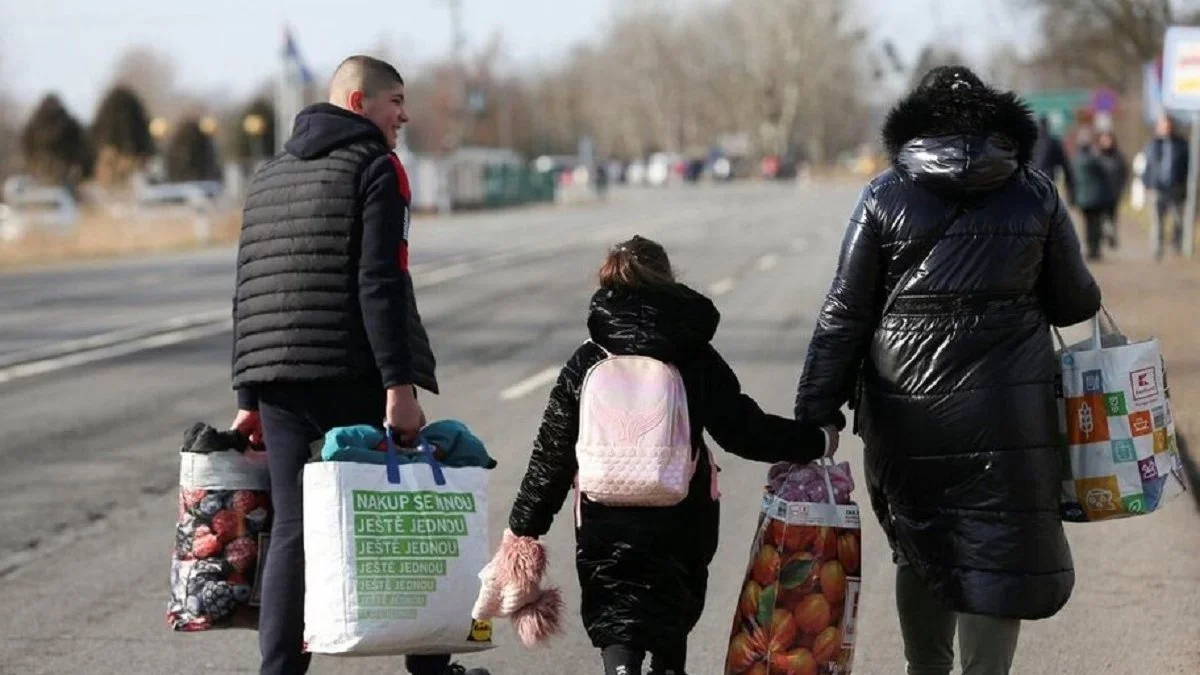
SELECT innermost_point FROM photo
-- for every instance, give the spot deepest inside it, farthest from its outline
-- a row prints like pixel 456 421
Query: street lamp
pixel 254 125
pixel 208 125
pixel 158 128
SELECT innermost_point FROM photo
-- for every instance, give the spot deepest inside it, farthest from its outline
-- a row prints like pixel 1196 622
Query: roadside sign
pixel 1104 100
pixel 1181 68
pixel 1058 106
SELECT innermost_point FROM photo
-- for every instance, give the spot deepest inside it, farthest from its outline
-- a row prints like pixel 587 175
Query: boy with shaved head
pixel 326 328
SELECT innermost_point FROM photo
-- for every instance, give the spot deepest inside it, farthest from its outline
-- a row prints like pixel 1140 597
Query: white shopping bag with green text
pixel 392 557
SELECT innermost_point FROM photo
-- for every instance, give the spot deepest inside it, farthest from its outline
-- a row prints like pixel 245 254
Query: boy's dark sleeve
pixel 382 293
pixel 247 399
pixel 740 426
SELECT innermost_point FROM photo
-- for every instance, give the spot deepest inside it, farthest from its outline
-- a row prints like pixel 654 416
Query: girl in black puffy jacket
pixel 643 570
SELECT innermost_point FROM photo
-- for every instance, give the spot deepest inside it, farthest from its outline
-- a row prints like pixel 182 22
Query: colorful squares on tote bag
pixel 1086 420
pixel 1159 413
pixel 1123 450
pixel 1162 442
pixel 1114 404
pixel 1134 503
pixel 1141 423
pixel 1148 469
pixel 1100 497
pixel 1153 490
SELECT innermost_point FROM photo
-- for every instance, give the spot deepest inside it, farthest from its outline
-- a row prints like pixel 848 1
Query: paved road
pixel 88 455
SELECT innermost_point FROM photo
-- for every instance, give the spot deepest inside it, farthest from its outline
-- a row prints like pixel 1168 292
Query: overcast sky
pixel 232 46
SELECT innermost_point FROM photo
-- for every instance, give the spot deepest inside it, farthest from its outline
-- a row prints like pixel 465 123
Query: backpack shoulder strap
pixel 600 347
pixel 926 249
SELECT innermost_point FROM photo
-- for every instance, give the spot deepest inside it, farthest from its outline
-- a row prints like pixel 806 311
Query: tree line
pixel 780 76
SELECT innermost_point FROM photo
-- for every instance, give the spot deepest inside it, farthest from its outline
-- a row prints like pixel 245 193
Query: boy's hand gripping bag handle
pixel 393 459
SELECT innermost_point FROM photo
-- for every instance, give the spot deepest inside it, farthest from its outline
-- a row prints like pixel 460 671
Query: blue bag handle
pixel 393 460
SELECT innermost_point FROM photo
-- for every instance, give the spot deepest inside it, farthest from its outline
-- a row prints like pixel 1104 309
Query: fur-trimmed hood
pixel 970 138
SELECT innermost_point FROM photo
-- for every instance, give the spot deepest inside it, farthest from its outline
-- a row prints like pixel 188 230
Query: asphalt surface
pixel 89 464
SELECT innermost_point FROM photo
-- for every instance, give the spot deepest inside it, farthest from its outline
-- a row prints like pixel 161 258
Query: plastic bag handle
pixel 1097 330
pixel 825 465
pixel 424 449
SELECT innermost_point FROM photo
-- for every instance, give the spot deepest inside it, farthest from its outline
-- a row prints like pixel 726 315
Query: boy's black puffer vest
pixel 297 316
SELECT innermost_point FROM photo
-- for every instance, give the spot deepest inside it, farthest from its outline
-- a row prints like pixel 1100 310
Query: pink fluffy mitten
pixel 511 587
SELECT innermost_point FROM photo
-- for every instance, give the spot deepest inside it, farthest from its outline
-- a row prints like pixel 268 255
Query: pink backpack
pixel 635 436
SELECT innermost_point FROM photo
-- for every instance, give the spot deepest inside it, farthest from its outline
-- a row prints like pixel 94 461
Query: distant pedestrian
pixel 1166 175
pixel 1116 170
pixel 1050 157
pixel 1095 193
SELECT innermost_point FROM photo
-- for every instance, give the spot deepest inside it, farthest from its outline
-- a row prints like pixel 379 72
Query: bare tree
pixel 10 125
pixel 151 75
pixel 1104 42
pixel 788 73
pixel 8 132
pixel 1006 68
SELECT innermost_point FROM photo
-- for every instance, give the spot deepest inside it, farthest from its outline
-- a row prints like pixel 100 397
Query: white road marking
pixel 119 336
pixel 530 384
pixel 125 341
pixel 439 275
pixel 722 287
pixel 768 261
pixel 113 351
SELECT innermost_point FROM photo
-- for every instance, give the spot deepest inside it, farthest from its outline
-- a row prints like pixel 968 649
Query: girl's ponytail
pixel 636 263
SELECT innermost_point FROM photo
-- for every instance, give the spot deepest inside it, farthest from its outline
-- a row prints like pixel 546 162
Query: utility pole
pixel 458 114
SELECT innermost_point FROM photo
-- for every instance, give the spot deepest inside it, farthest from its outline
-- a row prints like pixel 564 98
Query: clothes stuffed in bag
pixel 807 484
pixel 456 446
pixel 224 522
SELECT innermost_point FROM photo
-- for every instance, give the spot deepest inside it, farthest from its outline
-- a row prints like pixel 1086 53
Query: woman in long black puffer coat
pixel 957 409
pixel 643 571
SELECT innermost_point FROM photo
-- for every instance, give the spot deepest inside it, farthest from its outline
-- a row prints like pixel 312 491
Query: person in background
pixel 1116 170
pixel 1051 158
pixel 1094 193
pixel 1166 176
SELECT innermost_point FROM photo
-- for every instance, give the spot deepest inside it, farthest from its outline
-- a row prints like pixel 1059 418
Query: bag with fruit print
pixel 798 607
pixel 221 533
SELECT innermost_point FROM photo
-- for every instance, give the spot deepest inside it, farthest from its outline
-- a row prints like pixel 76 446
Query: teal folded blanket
pixel 456 446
